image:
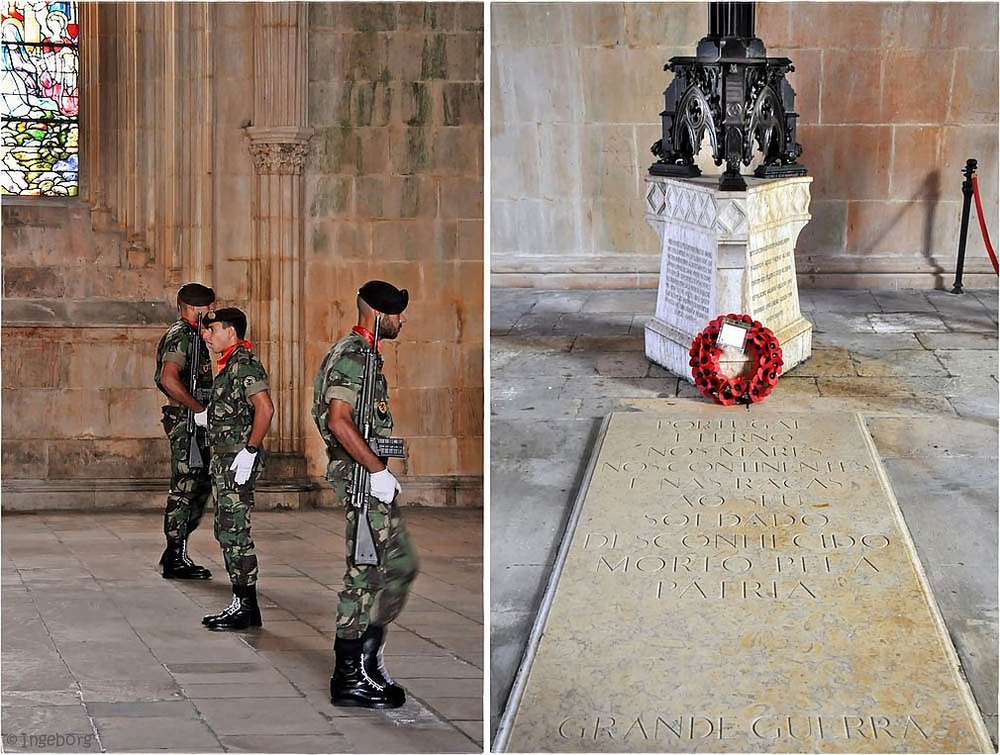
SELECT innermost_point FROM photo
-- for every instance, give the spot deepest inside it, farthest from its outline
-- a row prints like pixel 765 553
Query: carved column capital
pixel 279 149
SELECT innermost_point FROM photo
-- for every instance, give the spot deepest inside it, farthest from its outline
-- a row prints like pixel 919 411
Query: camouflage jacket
pixel 230 411
pixel 340 377
pixel 175 346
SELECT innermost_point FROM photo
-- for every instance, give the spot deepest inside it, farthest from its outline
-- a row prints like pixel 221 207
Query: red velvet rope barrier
pixel 982 224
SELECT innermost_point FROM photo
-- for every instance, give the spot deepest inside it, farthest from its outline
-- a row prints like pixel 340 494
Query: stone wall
pixel 172 191
pixel 395 192
pixel 892 97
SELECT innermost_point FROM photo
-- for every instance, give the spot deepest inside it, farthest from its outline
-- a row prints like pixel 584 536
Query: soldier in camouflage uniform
pixel 239 414
pixel 372 596
pixel 189 486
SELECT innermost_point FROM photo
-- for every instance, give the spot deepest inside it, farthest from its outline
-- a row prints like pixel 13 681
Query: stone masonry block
pixel 458 150
pixel 614 224
pixel 807 84
pixel 436 364
pixel 461 197
pixel 24 459
pixel 371 103
pixel 30 363
pixel 463 103
pixel 373 152
pixel 858 96
pixel 608 82
pixel 116 362
pixel 927 103
pixel 136 413
pixel 365 17
pixel 424 411
pixel 351 239
pixel 599 25
pixel 81 412
pixel 469 16
pixel 464 56
pixel 916 179
pixel 469 240
pixel 415 106
pixel 897 229
pixel 975 72
pixel 833 174
pixel 826 234
pixel 405 49
pixel 369 193
pixel 470 453
pixel 915 27
pixel 861 29
pixel 610 170
pixel 33 282
pixel 515 178
pixel 332 195
pixel 972 25
pixel 404 239
pixel 468 412
pixel 432 456
pixel 29 414
pixel 95 458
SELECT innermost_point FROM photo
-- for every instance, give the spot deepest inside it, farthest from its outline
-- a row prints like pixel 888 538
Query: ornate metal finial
pixel 735 94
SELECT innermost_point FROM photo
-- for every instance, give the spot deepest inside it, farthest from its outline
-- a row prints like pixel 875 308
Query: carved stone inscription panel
pixel 686 296
pixel 773 291
pixel 741 582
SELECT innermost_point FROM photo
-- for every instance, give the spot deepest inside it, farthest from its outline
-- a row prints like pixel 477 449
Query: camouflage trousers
pixel 233 504
pixel 375 595
pixel 189 488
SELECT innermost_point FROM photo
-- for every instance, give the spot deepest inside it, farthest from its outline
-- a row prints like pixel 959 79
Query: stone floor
pixel 102 654
pixel 921 367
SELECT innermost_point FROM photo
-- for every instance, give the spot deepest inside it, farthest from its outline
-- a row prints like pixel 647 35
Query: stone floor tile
pixel 47 728
pixel 261 715
pixel 150 734
pixel 904 322
pixel 283 743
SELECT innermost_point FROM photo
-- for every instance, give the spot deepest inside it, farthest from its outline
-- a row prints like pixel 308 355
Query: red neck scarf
pixel 366 334
pixel 224 359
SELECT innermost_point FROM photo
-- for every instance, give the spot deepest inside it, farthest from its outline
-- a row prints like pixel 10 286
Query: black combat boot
pixel 177 564
pixel 372 642
pixel 351 685
pixel 242 613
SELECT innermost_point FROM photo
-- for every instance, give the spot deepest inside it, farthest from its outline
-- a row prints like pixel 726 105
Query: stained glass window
pixel 38 119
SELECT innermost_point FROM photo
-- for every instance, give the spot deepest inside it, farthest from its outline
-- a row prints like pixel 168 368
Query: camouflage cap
pixel 195 295
pixel 384 297
pixel 229 315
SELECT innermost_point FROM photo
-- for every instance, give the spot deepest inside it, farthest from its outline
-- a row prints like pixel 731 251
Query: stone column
pixel 279 142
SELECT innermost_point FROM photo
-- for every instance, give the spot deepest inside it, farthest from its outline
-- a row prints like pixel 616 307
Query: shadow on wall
pixel 930 194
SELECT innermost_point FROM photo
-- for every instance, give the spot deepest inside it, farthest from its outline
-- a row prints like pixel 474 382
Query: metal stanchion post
pixel 970 169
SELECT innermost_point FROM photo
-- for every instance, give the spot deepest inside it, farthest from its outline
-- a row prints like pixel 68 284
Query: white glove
pixel 201 418
pixel 384 486
pixel 243 465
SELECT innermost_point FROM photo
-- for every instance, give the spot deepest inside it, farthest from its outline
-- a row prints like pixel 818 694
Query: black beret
pixel 231 315
pixel 384 297
pixel 195 295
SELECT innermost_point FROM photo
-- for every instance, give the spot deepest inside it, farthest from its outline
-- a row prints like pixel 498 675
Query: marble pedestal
pixel 726 252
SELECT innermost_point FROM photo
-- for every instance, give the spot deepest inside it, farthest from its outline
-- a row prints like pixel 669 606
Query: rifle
pixel 364 541
pixel 195 460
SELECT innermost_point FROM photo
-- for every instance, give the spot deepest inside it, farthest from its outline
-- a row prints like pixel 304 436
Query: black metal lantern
pixel 733 92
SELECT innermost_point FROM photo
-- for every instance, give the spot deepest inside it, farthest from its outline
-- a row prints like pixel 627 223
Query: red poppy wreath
pixel 765 363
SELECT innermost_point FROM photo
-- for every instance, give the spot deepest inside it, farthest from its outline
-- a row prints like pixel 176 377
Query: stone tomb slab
pixel 737 581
